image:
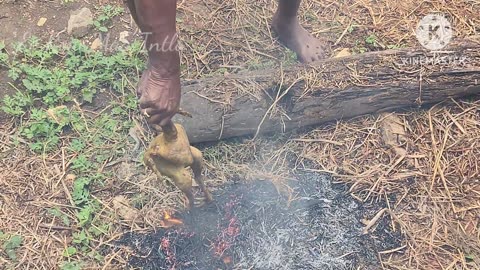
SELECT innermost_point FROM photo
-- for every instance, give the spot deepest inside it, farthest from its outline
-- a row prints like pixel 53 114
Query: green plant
pixel 10 244
pixel 371 40
pixel 81 163
pixel 15 105
pixel 359 47
pixel 53 84
pixel 54 77
pixel 45 127
pixel 394 46
pixel 81 238
pixel 71 266
pixel 351 28
pixel 81 73
pixel 77 145
pixel 59 214
pixel 290 57
pixel 104 19
pixel 3 54
pixel 69 251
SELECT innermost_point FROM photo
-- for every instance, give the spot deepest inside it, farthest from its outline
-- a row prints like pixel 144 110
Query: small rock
pixel 121 205
pixel 96 44
pixel 41 21
pixel 123 37
pixel 70 178
pixel 80 22
pixel 344 52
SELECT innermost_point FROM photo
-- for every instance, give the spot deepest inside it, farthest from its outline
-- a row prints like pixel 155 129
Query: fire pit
pixel 252 226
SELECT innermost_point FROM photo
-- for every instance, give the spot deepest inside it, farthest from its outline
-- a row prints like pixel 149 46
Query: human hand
pixel 159 96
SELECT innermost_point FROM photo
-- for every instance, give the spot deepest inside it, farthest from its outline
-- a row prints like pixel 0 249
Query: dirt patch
pixel 252 226
pixel 57 13
pixel 15 30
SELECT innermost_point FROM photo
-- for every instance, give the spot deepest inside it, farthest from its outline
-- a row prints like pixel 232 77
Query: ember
pixel 168 221
pixel 251 226
pixel 226 238
pixel 227 235
pixel 167 250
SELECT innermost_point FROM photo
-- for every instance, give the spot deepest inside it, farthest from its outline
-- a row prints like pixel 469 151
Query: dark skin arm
pixel 159 87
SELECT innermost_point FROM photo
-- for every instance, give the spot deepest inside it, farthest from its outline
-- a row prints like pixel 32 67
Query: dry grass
pixel 229 36
pixel 429 179
pixel 433 191
pixel 32 185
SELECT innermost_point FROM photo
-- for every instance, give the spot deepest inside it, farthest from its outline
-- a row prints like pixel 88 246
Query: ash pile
pixel 253 226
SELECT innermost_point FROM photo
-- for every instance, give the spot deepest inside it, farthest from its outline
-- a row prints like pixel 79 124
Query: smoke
pixel 252 226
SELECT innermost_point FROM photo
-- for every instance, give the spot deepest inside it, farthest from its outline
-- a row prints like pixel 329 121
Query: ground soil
pixel 14 30
pixel 221 37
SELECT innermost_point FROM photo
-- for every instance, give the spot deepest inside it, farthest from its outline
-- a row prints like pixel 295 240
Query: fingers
pixel 159 97
pixel 160 119
pixel 149 112
pixel 145 101
pixel 158 116
pixel 156 119
pixel 158 109
pixel 143 81
pixel 158 113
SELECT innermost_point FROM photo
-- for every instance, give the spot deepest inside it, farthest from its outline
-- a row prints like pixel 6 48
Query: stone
pixel 41 21
pixel 123 37
pixel 96 44
pixel 121 205
pixel 80 22
pixel 344 52
pixel 70 178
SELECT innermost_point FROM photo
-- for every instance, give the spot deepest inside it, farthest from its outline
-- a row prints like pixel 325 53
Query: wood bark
pixel 279 98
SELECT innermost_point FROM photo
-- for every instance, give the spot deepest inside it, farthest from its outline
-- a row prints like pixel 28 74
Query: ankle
pixel 281 21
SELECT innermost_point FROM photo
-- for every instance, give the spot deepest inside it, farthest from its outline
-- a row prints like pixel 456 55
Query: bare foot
pixel 297 39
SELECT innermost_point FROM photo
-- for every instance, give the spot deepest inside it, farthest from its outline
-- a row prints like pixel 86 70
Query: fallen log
pixel 283 98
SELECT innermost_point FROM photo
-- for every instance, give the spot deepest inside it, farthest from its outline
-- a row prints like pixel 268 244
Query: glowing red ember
pixel 168 221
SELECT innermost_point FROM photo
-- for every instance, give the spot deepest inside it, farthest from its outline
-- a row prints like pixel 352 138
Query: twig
pixel 210 99
pixel 374 220
pixel 318 140
pixel 54 227
pixel 274 104
pixel 343 33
